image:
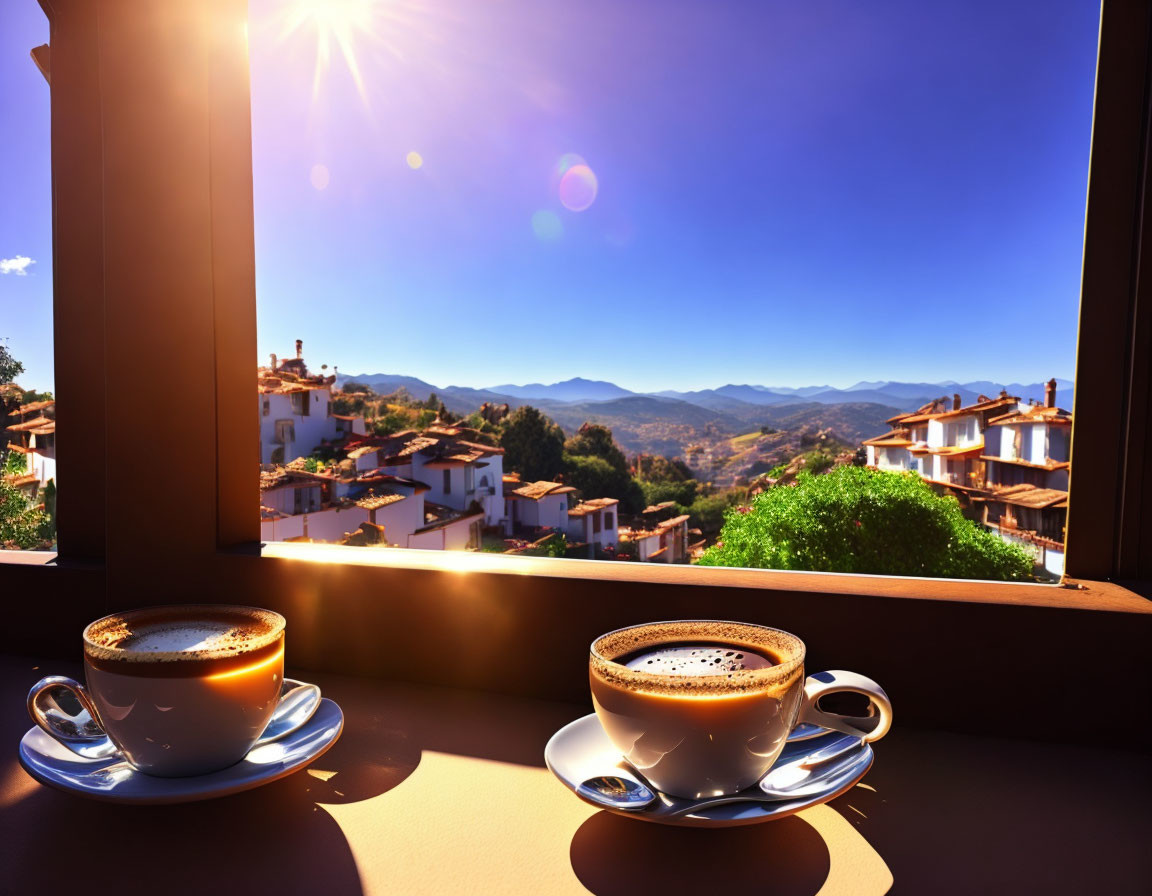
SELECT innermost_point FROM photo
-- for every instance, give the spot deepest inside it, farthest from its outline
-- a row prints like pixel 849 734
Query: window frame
pixel 113 73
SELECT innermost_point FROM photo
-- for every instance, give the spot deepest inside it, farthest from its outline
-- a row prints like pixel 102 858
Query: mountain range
pixel 730 399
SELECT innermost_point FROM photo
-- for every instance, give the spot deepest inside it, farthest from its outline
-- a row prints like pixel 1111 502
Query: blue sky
pixel 785 193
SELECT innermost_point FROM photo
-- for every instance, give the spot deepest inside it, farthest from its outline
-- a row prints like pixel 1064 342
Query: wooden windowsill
pixel 435 790
pixel 1095 596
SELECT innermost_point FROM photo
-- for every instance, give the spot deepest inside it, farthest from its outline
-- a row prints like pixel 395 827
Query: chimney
pixel 956 401
pixel 273 362
pixel 299 348
pixel 1003 393
pixel 1050 393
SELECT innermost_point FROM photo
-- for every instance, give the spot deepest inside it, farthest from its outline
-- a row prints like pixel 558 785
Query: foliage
pixel 597 478
pixel 556 546
pixel 314 464
pixel 708 511
pixel 10 368
pixel 14 463
pixel 816 462
pixel 533 445
pixel 390 422
pixel 23 525
pixel 857 520
pixel 594 440
pixel 777 471
pixel 683 492
pixel 662 469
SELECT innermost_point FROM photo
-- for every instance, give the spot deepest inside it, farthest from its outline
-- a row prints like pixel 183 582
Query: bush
pixel 23 525
pixel 857 520
pixel 816 462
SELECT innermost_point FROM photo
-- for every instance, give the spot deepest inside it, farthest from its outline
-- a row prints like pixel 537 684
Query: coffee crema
pixel 704 658
pixel 187 640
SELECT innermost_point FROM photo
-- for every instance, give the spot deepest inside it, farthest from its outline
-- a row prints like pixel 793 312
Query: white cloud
pixel 17 265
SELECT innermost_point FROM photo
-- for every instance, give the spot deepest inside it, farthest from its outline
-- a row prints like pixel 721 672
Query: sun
pixel 336 22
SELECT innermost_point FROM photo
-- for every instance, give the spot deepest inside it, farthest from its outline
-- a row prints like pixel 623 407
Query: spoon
pixel 809 774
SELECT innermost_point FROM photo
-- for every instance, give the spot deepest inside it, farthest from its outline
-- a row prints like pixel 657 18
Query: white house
pixel 34 437
pixel 1027 464
pixel 594 522
pixel 296 411
pixel 535 505
pixel 663 542
pixel 459 473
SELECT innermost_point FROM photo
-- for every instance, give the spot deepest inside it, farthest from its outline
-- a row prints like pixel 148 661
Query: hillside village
pixel 1006 460
pixel 351 467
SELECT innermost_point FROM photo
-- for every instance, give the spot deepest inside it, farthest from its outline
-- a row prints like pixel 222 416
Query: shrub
pixel 857 520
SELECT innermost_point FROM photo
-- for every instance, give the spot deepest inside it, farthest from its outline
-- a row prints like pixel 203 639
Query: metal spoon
pixel 807 774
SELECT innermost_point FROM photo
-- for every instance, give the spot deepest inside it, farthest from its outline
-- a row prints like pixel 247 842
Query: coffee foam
pixel 195 632
pixel 675 678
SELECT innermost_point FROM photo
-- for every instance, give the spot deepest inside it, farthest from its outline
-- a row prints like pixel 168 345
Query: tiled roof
pixel 34 406
pixel 381 499
pixel 537 490
pixel 630 534
pixel 1030 496
pixel 1037 413
pixel 586 507
pixel 437 516
pixel 989 404
pixel 19 480
pixel 895 438
pixel 1048 465
pixel 658 508
pixel 360 452
pixel 29 425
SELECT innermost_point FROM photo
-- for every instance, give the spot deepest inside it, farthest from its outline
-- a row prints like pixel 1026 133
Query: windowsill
pixel 435 790
pixel 1097 596
pixel 28 558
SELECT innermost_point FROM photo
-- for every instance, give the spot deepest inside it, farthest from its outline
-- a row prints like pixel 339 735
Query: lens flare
pixel 414 160
pixel 578 188
pixel 336 23
pixel 319 176
pixel 569 160
pixel 547 226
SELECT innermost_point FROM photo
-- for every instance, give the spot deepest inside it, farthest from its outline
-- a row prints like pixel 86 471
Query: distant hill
pixel 575 389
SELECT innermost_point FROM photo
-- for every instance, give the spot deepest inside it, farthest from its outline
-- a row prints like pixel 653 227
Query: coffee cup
pixel 174 691
pixel 703 708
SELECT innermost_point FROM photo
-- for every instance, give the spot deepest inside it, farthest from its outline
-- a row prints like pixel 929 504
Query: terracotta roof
pixel 895 438
pixel 630 534
pixel 1037 413
pixel 360 452
pixel 663 550
pixel 367 535
pixel 437 516
pixel 376 501
pixel 1030 496
pixel 18 480
pixel 34 406
pixel 925 412
pixel 1049 465
pixel 281 477
pixel 536 490
pixel 271 513
pixel 29 425
pixel 586 507
pixel 980 407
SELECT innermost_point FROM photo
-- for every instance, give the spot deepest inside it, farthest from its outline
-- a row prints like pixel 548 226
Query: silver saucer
pixel 581 750
pixel 114 780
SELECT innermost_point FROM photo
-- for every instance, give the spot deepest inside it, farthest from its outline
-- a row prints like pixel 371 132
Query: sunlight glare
pixel 335 21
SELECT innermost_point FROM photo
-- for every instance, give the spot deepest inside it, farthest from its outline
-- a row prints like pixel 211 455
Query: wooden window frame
pixel 152 197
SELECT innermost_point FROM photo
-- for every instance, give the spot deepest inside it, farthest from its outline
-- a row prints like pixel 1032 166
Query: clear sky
pixel 785 193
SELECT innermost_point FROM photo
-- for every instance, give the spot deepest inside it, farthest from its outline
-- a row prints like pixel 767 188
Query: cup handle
pixel 298 703
pixel 870 728
pixel 80 732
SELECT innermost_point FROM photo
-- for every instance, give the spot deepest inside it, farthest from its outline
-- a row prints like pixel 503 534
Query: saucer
pixel 114 780
pixel 581 750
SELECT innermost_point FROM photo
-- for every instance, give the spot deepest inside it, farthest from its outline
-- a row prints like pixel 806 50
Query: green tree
pixel 533 445
pixel 857 520
pixel 683 492
pixel 595 440
pixel 10 368
pixel 22 525
pixel 816 462
pixel 708 511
